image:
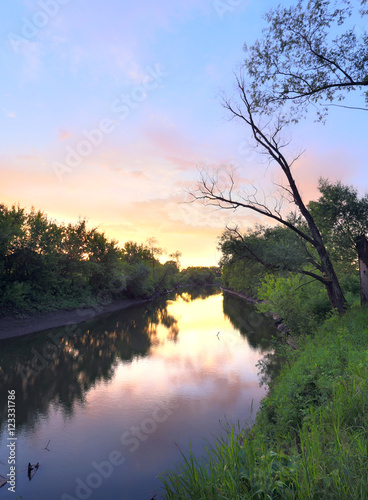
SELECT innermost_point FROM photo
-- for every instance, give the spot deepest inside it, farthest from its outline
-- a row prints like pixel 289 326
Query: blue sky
pixel 69 65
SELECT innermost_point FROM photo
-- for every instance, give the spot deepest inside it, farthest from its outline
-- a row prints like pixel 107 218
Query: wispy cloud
pixel 64 135
pixel 10 114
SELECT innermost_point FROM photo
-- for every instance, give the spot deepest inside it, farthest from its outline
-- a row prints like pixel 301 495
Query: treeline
pixel 277 266
pixel 45 265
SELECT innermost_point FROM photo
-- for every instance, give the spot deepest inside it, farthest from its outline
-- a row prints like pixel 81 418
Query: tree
pixel 198 275
pixel 309 54
pixel 134 252
pixel 155 250
pixel 275 248
pixel 12 231
pixel 306 56
pixel 343 219
pixel 176 257
pixel 270 142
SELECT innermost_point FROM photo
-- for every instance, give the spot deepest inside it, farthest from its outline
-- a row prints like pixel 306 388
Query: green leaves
pixel 310 53
pixel 47 266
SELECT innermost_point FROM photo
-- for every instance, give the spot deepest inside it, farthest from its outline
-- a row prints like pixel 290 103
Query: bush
pixel 301 303
pixel 15 296
pixel 243 276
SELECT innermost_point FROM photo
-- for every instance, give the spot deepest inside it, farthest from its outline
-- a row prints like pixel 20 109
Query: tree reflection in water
pixel 96 347
pixel 78 362
pixel 260 332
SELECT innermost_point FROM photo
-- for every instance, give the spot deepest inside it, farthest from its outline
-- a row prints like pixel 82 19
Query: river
pixel 107 405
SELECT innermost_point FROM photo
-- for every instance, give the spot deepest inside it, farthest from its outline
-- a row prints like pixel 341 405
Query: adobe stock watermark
pixel 222 7
pixel 31 26
pixel 122 107
pixel 132 440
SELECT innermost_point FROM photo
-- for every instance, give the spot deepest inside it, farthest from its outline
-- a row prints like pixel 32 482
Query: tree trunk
pixel 362 248
pixel 332 284
pixel 335 295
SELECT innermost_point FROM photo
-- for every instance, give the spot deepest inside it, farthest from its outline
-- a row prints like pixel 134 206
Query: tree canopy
pixel 343 220
pixel 342 216
pixel 48 265
pixel 311 53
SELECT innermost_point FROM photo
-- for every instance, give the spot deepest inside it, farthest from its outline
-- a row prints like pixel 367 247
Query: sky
pixel 109 111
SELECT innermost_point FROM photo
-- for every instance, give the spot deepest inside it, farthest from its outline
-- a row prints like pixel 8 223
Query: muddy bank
pixel 18 327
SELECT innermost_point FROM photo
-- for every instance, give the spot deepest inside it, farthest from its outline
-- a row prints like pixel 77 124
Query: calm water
pixel 105 407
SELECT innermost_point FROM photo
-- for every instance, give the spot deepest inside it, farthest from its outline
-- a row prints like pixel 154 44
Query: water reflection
pixel 259 331
pixel 96 381
pixel 43 371
pixel 255 327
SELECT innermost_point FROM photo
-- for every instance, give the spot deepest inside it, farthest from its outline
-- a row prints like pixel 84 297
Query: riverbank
pixel 278 321
pixel 19 327
pixel 242 295
pixel 12 327
pixel 310 437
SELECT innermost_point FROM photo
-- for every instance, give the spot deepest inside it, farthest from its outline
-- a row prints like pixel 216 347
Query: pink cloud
pixel 181 163
pixel 169 140
pixel 64 135
pixel 339 164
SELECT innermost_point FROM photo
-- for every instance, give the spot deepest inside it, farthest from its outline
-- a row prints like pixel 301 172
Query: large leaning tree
pixel 308 56
pixel 269 140
pixel 311 54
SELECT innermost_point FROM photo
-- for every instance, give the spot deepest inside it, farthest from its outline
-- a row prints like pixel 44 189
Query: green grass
pixel 310 440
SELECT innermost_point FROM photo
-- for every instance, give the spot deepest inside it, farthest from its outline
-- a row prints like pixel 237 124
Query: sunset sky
pixel 109 109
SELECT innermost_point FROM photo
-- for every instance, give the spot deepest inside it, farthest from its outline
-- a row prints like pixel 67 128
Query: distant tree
pixel 309 55
pixel 76 240
pixel 154 249
pixel 12 231
pixel 198 275
pixel 176 256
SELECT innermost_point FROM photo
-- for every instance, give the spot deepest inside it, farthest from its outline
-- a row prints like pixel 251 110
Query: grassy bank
pixel 310 440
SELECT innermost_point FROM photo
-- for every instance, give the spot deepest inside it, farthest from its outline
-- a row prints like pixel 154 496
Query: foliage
pixel 310 53
pixel 336 353
pixel 276 266
pixel 300 302
pixel 45 265
pixel 232 468
pixel 243 276
pixel 198 275
pixel 342 217
pixel 275 248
